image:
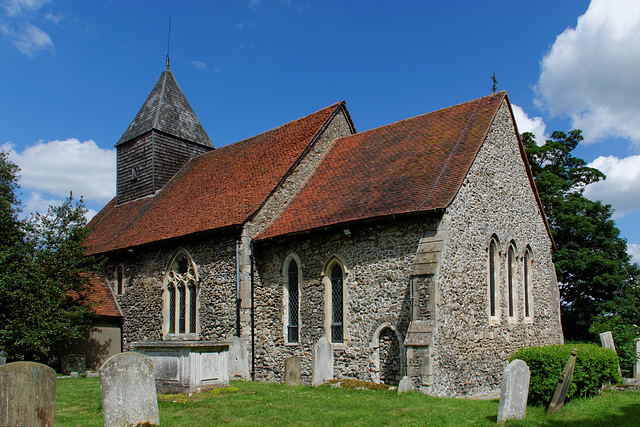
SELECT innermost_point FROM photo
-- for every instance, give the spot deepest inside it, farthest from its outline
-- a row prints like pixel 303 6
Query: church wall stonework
pixel 378 260
pixel 495 199
pixel 141 302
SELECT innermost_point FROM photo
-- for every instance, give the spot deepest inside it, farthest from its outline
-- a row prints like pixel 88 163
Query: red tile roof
pixel 414 165
pixel 101 298
pixel 221 188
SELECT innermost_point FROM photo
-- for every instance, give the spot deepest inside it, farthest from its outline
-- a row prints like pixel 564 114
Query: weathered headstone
pixel 238 359
pixel 73 363
pixel 405 385
pixel 563 384
pixel 128 390
pixel 322 362
pixel 3 358
pixel 27 394
pixel 292 371
pixel 606 339
pixel 514 391
pixel 636 367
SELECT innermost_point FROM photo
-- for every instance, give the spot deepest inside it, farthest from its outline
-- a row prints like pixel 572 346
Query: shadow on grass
pixel 630 416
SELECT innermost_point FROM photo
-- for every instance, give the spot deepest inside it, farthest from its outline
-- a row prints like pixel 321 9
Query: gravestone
pixel 514 391
pixel 405 385
pixel 128 390
pixel 606 339
pixel 563 384
pixel 636 368
pixel 238 359
pixel 292 371
pixel 322 362
pixel 3 358
pixel 27 394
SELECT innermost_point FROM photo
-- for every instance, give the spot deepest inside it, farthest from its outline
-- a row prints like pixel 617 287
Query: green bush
pixel 595 367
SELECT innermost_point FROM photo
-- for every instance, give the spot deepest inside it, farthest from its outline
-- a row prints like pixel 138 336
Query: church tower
pixel 162 137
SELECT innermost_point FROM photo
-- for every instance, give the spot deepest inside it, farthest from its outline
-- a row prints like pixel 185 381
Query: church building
pixel 419 248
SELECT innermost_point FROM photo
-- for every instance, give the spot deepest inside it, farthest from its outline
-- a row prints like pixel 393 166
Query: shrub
pixel 624 336
pixel 595 367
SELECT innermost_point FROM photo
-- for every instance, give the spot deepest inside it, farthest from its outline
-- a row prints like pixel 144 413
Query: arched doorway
pixel 387 355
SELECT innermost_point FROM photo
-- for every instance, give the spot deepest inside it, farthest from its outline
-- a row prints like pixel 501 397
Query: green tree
pixel 592 262
pixel 44 275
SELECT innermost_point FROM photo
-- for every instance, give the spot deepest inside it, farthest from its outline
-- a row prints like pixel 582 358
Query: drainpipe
pixel 253 321
pixel 238 299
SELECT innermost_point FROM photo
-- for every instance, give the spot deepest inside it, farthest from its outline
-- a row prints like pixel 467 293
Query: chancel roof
pixel 219 189
pixel 167 110
pixel 411 166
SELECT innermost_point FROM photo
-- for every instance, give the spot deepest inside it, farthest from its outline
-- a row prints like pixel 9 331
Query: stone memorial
pixel 322 362
pixel 636 367
pixel 563 384
pixel 405 385
pixel 514 391
pixel 606 339
pixel 238 359
pixel 187 366
pixel 3 358
pixel 128 388
pixel 292 371
pixel 27 394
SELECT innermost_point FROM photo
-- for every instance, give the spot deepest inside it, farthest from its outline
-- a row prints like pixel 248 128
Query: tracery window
pixel 494 280
pixel 292 273
pixel 511 282
pixel 181 297
pixel 528 309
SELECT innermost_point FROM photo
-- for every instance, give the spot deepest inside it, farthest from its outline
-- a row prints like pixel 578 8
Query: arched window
pixel 180 297
pixel 119 280
pixel 337 300
pixel 292 273
pixel 528 304
pixel 494 281
pixel 511 282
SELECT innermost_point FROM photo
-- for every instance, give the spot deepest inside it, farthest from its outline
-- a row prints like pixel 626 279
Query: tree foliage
pixel 592 263
pixel 44 274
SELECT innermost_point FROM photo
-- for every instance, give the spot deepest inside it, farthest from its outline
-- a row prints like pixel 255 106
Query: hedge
pixel 595 367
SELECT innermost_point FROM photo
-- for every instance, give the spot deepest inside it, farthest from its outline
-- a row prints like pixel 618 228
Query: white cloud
pixel 525 124
pixel 29 39
pixel 634 250
pixel 17 7
pixel 621 189
pixel 243 25
pixel 58 167
pixel 591 72
pixel 199 65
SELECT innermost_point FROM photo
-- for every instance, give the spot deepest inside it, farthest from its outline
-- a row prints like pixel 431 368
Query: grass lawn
pixel 78 403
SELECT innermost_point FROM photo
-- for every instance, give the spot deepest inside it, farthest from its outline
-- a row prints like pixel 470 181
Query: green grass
pixel 252 404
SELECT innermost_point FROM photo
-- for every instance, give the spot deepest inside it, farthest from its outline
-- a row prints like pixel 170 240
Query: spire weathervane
pixel 168 43
pixel 495 82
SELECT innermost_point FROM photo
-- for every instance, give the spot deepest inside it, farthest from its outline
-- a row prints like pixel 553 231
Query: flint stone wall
pixel 469 354
pixel 141 302
pixel 379 261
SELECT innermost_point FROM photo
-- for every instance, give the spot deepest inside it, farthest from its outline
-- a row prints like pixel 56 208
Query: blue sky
pixel 74 74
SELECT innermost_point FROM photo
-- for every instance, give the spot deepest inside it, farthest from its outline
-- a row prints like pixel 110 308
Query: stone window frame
pixel 511 269
pixel 527 285
pixel 493 281
pixel 191 283
pixel 328 312
pixel 119 280
pixel 291 256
